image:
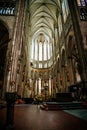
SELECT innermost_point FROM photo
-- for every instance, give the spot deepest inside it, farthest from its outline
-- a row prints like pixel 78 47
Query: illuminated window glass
pixel 78 2
pixel 1 10
pixel 36 51
pixel 81 2
pixel 7 8
pixel 45 53
pixel 41 53
pixel 60 25
pixel 65 9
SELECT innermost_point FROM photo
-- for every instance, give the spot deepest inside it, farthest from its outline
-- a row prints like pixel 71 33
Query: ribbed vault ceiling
pixel 43 17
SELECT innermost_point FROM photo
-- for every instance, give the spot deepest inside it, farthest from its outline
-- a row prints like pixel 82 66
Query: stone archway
pixel 4 39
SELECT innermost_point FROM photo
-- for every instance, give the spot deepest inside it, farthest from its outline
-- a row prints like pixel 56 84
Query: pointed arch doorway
pixel 4 38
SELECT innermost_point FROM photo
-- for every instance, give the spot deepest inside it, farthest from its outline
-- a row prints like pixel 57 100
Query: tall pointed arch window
pixel 41 54
pixel 65 9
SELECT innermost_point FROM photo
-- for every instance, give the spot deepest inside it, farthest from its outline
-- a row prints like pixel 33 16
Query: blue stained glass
pixel 81 2
pixel 1 10
pixel 86 1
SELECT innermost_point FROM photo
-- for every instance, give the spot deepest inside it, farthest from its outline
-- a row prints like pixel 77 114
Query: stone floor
pixel 31 117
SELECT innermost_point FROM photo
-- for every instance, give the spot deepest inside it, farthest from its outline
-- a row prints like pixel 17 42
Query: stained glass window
pixel 7 8
pixel 86 2
pixel 82 4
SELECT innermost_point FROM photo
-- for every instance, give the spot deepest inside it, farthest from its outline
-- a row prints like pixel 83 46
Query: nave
pixel 43 57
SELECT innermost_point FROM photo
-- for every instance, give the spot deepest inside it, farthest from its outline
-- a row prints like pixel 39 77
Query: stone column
pixel 10 100
pixel 79 40
pixel 11 81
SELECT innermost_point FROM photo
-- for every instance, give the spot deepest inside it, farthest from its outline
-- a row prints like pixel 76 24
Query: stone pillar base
pixel 10 100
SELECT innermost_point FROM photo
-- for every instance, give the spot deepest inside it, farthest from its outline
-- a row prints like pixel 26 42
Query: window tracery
pixel 7 8
pixel 41 53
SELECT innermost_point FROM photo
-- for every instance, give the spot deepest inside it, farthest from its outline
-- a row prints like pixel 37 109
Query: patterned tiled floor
pixel 81 113
pixel 31 117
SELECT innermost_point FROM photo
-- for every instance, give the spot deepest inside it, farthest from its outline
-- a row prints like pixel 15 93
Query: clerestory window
pixel 41 54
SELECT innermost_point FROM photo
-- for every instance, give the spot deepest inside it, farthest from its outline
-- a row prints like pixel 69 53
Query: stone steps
pixel 63 105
